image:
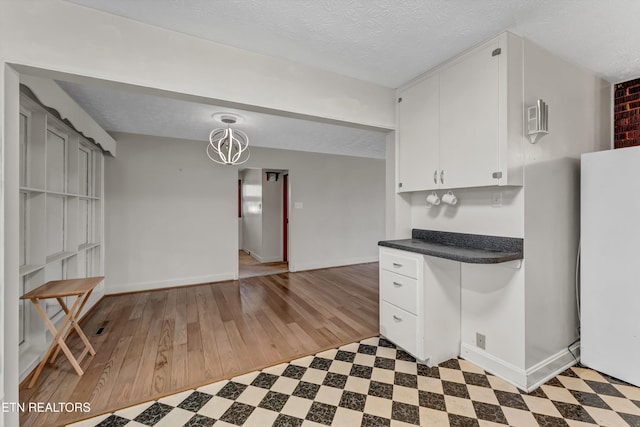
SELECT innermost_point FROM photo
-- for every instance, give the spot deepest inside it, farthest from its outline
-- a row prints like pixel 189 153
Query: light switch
pixel 298 205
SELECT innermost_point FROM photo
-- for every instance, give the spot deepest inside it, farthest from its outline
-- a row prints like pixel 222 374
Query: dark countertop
pixel 470 248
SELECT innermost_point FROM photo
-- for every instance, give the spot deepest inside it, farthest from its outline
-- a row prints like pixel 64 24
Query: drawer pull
pixel 396 284
pixel 395 264
pixel 397 319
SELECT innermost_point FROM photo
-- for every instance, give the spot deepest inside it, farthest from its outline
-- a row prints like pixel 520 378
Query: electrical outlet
pixel 481 341
pixel 496 199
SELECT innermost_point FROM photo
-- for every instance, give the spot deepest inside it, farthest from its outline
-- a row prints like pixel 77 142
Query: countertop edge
pixel 491 257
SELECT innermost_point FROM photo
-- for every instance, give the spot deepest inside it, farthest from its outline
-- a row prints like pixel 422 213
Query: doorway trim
pixel 278 212
pixel 285 217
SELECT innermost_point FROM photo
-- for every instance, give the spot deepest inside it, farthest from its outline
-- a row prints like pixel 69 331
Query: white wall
pixel 398 206
pixel 579 122
pixel 9 226
pixel 552 229
pixel 170 217
pixel 492 301
pixel 171 214
pixel 252 211
pixel 4 249
pixel 579 106
pixel 341 218
pixel 64 37
pixel 474 213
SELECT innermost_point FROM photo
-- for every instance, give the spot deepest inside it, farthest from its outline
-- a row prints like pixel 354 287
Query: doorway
pixel 263 225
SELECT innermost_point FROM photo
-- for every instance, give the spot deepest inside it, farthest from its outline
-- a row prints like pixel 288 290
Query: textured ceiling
pixel 391 41
pixel 387 42
pixel 133 112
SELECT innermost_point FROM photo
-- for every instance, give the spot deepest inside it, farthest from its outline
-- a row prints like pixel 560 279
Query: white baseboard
pixel 171 283
pixel 552 366
pixel 266 259
pixel 29 360
pixel 331 263
pixel 526 380
pixel 498 367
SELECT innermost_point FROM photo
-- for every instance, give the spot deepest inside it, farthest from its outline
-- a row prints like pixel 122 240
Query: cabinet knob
pixel 396 284
pixel 397 319
pixel 442 176
pixel 395 264
pixel 435 176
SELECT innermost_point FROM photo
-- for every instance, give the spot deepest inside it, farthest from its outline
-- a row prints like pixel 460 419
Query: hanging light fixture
pixel 228 146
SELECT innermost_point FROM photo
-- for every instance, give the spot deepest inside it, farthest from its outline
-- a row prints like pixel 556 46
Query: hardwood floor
pixel 157 343
pixel 250 267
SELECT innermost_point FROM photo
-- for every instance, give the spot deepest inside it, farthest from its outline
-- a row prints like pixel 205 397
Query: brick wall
pixel 626 114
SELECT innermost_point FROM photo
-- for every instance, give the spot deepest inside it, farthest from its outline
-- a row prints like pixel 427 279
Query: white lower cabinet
pixel 420 304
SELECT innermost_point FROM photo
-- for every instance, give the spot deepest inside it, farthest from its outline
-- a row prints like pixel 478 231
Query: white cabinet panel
pixel 56 161
pixel 469 119
pixel 84 222
pixel 442 290
pixel 55 224
pixel 399 263
pixel 399 326
pixel 24 129
pixel 84 171
pixel 23 228
pixel 400 290
pixel 418 135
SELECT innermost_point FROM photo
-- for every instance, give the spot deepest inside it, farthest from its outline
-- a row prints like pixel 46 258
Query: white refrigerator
pixel 610 263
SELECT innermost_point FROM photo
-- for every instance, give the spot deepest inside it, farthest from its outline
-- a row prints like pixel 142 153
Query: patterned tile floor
pixel 372 383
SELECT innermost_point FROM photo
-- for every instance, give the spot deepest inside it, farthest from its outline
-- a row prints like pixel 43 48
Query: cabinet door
pixel 469 119
pixel 418 136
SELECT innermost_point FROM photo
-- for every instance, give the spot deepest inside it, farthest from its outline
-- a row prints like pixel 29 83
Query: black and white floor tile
pixel 374 384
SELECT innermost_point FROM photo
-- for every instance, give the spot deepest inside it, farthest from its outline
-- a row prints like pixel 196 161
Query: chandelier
pixel 228 146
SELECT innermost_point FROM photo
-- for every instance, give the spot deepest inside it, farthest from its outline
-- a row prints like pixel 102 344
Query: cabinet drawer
pixel 399 290
pixel 399 326
pixel 399 264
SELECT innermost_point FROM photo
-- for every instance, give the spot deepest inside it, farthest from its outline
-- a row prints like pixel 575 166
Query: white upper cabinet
pixel 469 119
pixel 460 125
pixel 418 134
